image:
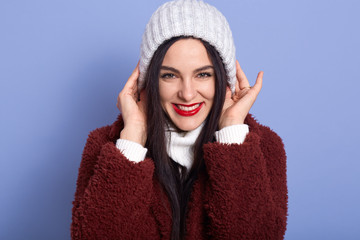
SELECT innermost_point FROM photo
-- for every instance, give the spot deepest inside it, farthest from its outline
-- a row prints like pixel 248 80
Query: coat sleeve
pixel 246 193
pixel 113 195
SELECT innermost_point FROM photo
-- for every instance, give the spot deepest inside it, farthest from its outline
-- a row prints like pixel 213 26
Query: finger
pixel 142 100
pixel 251 91
pixel 130 87
pixel 237 88
pixel 131 82
pixel 142 96
pixel 258 84
pixel 241 77
pixel 118 103
pixel 228 93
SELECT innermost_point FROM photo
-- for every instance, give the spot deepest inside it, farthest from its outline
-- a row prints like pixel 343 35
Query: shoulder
pixel 271 147
pixel 111 132
pixel 267 135
pixel 105 134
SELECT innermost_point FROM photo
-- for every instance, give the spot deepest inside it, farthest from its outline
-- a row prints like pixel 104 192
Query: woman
pixel 184 160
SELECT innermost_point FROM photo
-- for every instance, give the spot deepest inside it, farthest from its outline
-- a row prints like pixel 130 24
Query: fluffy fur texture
pixel 241 195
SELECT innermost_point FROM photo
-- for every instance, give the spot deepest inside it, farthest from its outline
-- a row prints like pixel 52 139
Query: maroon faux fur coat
pixel 242 194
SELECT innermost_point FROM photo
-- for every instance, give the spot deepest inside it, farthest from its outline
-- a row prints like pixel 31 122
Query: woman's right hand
pixel 133 111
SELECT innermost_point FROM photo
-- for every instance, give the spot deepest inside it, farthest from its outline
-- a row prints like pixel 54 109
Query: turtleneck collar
pixel 180 145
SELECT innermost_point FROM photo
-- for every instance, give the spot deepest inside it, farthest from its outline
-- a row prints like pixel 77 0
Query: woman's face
pixel 187 83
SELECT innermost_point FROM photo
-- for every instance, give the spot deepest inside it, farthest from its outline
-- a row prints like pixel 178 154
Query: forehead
pixel 186 54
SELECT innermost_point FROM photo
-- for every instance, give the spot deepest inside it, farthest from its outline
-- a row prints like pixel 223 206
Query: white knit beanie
pixel 188 18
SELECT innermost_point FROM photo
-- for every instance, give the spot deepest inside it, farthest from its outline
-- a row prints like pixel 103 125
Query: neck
pixel 180 145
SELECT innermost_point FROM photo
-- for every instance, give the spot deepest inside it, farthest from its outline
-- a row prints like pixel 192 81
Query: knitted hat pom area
pixel 192 18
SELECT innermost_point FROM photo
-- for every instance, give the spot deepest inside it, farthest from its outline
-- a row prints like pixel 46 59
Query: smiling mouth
pixel 187 110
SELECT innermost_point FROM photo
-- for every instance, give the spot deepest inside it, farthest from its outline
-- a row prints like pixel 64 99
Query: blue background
pixel 62 64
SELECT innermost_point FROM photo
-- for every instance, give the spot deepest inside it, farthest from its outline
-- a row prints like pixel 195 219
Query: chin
pixel 184 126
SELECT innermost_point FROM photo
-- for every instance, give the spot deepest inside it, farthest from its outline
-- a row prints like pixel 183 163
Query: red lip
pixel 187 113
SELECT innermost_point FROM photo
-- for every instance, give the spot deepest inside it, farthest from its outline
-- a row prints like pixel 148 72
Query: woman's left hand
pixel 236 107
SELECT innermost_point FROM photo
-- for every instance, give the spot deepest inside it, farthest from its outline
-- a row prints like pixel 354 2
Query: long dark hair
pixel 179 186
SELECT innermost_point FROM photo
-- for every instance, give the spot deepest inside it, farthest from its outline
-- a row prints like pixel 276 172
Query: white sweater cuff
pixel 232 134
pixel 131 150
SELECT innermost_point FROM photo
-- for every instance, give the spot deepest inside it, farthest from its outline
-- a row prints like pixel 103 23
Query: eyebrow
pixel 177 71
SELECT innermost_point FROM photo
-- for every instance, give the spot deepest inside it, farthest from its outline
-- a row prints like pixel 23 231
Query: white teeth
pixel 183 108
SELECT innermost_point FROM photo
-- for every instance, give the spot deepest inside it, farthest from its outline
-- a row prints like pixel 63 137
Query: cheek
pixel 165 94
pixel 208 90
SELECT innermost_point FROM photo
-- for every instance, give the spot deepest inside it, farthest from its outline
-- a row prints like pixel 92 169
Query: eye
pixel 167 75
pixel 204 75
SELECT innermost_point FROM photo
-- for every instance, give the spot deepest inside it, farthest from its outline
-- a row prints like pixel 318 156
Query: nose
pixel 187 90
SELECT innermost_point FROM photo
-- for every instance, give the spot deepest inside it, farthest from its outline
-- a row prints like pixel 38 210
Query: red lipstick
pixel 187 113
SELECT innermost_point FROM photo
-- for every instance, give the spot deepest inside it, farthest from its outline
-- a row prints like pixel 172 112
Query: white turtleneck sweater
pixel 179 145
